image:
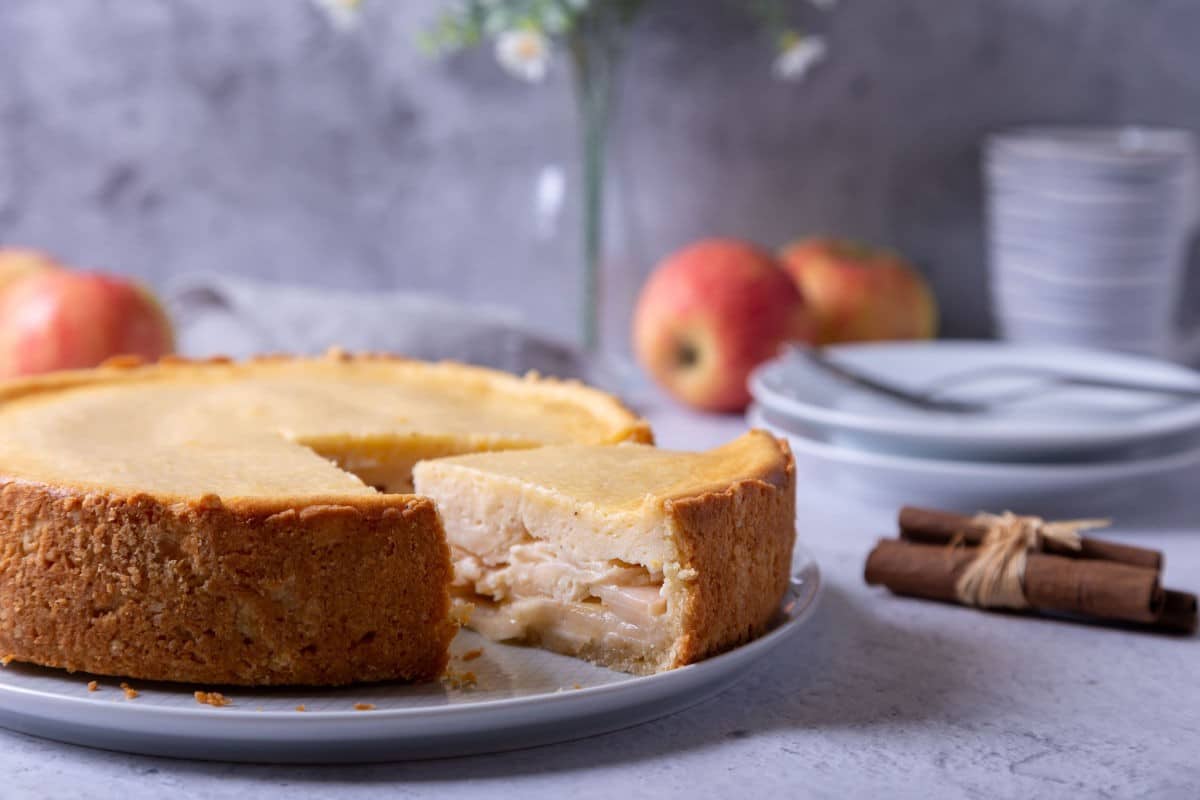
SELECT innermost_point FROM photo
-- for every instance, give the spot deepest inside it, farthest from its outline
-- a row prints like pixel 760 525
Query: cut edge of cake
pixel 642 589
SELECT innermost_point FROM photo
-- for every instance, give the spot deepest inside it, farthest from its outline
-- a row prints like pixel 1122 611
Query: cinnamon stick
pixel 943 527
pixel 1094 588
pixel 1088 587
pixel 1179 612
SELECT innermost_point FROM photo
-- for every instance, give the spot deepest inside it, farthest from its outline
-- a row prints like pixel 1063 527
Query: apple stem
pixel 686 354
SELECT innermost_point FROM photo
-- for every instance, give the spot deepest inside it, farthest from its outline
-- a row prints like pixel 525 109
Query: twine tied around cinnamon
pixel 996 577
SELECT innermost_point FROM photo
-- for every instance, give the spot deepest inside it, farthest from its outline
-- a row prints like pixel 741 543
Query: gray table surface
pixel 880 697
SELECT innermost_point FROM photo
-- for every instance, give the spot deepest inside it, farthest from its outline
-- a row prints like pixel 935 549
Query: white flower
pixel 800 56
pixel 524 53
pixel 343 14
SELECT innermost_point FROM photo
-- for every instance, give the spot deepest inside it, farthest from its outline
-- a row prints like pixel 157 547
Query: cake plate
pixel 497 697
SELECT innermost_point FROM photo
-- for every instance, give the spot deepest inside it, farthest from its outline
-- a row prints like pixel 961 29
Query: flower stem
pixel 594 49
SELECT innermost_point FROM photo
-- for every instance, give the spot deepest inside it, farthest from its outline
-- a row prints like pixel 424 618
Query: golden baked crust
pixel 140 427
pixel 739 543
pixel 117 558
pixel 199 592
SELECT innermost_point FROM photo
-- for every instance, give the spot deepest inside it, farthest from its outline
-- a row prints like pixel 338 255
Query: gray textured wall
pixel 167 136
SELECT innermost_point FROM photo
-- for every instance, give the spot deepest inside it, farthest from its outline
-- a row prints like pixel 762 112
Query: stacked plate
pixel 1040 446
pixel 1087 230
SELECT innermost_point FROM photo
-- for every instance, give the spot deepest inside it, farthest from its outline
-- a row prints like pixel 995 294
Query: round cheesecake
pixel 251 523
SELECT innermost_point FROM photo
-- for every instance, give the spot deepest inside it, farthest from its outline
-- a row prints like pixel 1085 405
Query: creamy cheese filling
pixel 538 593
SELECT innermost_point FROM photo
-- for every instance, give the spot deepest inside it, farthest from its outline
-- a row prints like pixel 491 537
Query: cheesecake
pixel 633 557
pixel 251 523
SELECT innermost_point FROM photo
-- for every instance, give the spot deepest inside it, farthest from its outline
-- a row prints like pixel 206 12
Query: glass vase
pixel 595 47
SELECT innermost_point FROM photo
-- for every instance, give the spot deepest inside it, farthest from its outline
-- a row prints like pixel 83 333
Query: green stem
pixel 594 52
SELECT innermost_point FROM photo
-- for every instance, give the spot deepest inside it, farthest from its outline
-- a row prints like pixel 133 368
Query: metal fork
pixel 930 398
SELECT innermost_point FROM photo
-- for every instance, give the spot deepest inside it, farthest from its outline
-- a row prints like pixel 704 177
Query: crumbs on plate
pixel 212 699
pixel 364 706
pixel 93 686
pixel 471 655
pixel 129 691
pixel 301 708
pixel 459 680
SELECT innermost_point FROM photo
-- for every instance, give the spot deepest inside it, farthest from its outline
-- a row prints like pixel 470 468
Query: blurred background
pixel 172 137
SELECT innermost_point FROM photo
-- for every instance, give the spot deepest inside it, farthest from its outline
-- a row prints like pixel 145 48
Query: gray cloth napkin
pixel 239 317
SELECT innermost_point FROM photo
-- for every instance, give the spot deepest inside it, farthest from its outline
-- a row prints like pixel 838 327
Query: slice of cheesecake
pixel 633 557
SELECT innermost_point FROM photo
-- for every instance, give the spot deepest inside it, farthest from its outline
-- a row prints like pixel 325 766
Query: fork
pixel 931 398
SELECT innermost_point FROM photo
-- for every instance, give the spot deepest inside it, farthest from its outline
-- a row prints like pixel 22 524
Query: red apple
pixel 58 319
pixel 711 313
pixel 859 294
pixel 18 262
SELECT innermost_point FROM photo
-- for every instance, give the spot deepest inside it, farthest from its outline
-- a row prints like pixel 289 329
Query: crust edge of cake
pixel 204 592
pixel 739 544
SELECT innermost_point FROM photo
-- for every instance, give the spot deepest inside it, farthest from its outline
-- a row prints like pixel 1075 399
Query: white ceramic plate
pixel 1061 424
pixel 523 697
pixel 1091 489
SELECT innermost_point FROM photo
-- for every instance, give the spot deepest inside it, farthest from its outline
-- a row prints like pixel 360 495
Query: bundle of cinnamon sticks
pixel 1098 579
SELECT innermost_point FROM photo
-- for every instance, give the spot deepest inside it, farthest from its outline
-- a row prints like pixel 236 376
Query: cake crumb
pixel 459 680
pixel 301 708
pixel 364 706
pixel 471 655
pixel 129 691
pixel 460 613
pixel 576 686
pixel 212 699
pixel 6 660
pixel 93 686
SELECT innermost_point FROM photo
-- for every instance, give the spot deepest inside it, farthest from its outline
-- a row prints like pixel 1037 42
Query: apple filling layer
pixel 536 594
pixel 629 556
